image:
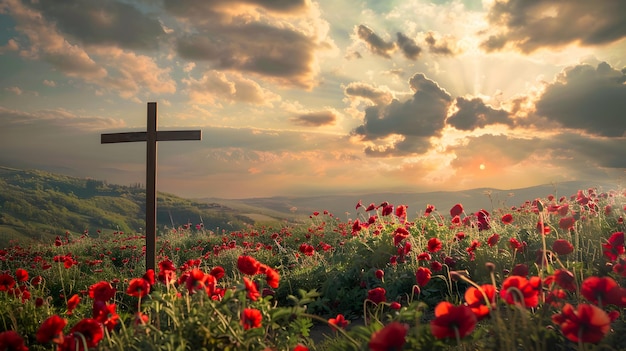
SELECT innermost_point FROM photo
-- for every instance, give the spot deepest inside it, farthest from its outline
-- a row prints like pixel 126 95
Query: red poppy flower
pixel 429 210
pixel 436 266
pixel 614 246
pixel 484 220
pixel 565 279
pixel 251 288
pixel 251 318
pixel 507 219
pixel 272 277
pixel 395 305
pixel 102 291
pixel 456 210
pixel 516 289
pixel 10 340
pixel 300 347
pixel 434 245
pixel 198 280
pixel 424 256
pixel 149 276
pixel 91 329
pixel 562 247
pixel 138 287
pixel 377 295
pixel 520 269
pixel 380 274
pixel 567 223
pixel 166 265
pixel 338 322
pixel 6 282
pixel 493 240
pixel 476 300
pixel 21 275
pixel 51 330
pixel 515 245
pixel 391 337
pixel 387 210
pixel 555 297
pixel 72 303
pixel 105 314
pixel 451 320
pixel 603 290
pixel 356 226
pixel 422 275
pixel 307 249
pixel 218 272
pixel 401 211
pixel 248 265
pixel 588 323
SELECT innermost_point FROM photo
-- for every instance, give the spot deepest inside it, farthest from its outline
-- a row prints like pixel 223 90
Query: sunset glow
pixel 317 97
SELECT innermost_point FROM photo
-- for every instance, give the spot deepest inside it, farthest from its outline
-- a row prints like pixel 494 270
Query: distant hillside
pixel 38 205
pixel 473 200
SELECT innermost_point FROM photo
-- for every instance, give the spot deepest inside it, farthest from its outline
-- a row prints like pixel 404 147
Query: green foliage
pixel 37 206
pixel 326 267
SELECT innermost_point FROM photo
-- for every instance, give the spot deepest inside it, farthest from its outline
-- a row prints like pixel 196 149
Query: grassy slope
pixel 37 205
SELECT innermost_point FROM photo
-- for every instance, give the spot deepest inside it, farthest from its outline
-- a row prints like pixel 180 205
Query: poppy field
pixel 547 274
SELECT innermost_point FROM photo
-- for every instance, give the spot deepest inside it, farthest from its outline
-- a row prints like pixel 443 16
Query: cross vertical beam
pixel 151 136
pixel 151 179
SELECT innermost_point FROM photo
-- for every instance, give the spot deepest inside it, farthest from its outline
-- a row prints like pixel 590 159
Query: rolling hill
pixel 38 205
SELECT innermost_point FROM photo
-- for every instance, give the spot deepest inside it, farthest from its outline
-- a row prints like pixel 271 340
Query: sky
pixel 303 97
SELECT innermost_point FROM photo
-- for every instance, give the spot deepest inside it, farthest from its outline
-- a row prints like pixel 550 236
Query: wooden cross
pixel 151 136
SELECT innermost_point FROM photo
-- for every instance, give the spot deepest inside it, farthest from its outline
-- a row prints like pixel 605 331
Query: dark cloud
pixel 473 114
pixel 315 119
pixel 366 91
pixel 103 22
pixel 257 48
pixel 587 98
pixel 596 152
pixel 440 46
pixel 408 47
pixel 225 35
pixel 374 42
pixel 416 119
pixel 531 25
pixel 203 10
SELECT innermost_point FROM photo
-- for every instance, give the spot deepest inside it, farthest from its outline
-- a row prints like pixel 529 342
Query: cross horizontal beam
pixel 130 137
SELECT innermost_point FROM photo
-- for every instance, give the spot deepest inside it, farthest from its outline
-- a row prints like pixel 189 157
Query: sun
pixel 482 167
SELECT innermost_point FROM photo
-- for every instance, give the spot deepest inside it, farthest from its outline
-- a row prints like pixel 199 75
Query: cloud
pixel 278 53
pixel 377 96
pixel 14 90
pixel 280 45
pixel 216 86
pixel 375 43
pixel 123 72
pixel 587 98
pixel 440 45
pixel 532 25
pixel 315 119
pixel 408 47
pixel 415 120
pixel 49 83
pixel 129 73
pixel 562 156
pixel 474 113
pixel 103 23
pixel 11 44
